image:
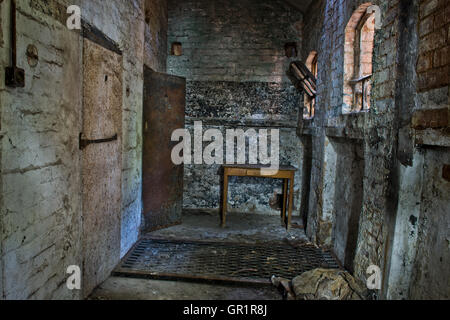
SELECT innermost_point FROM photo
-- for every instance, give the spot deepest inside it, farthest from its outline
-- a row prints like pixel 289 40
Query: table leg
pixel 285 196
pixel 225 199
pixel 291 202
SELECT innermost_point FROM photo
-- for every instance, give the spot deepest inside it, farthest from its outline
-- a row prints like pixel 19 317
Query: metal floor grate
pixel 218 261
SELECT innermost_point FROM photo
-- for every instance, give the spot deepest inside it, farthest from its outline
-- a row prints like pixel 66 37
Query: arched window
pixel 359 38
pixel 310 102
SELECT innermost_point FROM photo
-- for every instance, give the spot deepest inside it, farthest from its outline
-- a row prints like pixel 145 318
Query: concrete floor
pixel 241 227
pixel 202 225
pixel 141 289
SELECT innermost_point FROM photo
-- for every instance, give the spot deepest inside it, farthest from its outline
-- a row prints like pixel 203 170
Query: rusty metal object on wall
pixel 14 76
pixel 177 49
pixel 164 112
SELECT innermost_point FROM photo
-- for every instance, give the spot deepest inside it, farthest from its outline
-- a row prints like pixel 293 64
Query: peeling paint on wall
pixel 40 165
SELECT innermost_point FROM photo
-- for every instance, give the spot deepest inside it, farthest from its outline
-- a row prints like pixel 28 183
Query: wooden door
pixel 164 112
pixel 101 147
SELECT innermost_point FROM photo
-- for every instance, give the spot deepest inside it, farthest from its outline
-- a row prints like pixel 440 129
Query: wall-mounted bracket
pixel 14 76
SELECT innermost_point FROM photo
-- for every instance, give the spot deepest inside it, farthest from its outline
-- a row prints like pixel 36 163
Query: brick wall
pixel 433 66
pixel 41 210
pixel 370 131
pixel 232 40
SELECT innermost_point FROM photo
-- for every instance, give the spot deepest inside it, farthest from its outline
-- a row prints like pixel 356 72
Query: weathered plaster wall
pixel 406 229
pixel 41 210
pixel 124 24
pixel 234 60
pixel 40 169
pixel 419 268
pixel 431 274
pixel 422 250
pixel 345 200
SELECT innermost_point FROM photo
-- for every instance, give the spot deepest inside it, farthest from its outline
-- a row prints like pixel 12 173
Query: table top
pixel 258 166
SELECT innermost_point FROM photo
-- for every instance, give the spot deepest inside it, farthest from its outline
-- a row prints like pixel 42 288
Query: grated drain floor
pixel 221 262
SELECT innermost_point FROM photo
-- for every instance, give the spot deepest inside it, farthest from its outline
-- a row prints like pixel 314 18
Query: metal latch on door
pixel 85 142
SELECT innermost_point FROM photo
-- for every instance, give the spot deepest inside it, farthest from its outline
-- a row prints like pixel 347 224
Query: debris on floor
pixel 285 286
pixel 322 284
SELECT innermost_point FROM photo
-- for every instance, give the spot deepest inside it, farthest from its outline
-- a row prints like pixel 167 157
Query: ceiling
pixel 301 5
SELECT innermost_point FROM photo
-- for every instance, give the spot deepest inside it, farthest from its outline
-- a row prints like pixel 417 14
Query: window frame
pixel 354 100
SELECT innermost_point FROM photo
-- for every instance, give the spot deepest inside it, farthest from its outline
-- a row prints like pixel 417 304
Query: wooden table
pixel 287 173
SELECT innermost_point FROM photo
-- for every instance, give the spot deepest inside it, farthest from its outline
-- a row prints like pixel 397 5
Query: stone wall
pixel 373 129
pixel 235 64
pixel 232 40
pixel 241 105
pixel 389 210
pixel 41 211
